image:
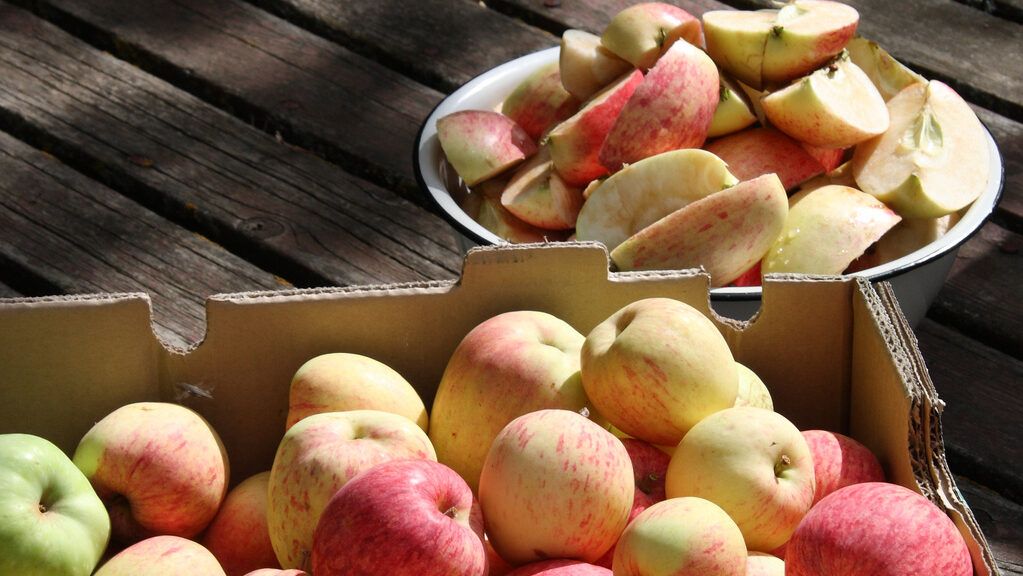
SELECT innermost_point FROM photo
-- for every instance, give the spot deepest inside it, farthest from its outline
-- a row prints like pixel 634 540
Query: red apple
pixel 560 567
pixel 540 101
pixel 238 535
pixel 840 461
pixel 401 518
pixel 757 151
pixel 162 556
pixel 277 572
pixel 480 144
pixel 876 529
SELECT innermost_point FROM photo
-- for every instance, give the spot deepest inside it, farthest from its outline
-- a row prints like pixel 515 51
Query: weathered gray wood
pixel 82 237
pixel 589 15
pixel 437 42
pixel 283 208
pixel 1007 9
pixel 1009 136
pixel 8 292
pixel 1000 520
pixel 983 439
pixel 278 76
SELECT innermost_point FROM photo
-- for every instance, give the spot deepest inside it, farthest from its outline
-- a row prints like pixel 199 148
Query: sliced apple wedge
pixel 764 150
pixel 906 237
pixel 538 196
pixel 575 143
pixel 672 108
pixel 643 193
pixel 836 106
pixel 932 161
pixel 487 210
pixel 888 74
pixel 726 233
pixel 826 229
pixel 841 175
pixel 479 144
pixel 585 65
pixel 734 110
pixel 540 101
pixel 641 33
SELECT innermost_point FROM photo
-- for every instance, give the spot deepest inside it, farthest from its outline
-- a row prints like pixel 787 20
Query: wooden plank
pixel 589 15
pixel 1008 134
pixel 1007 9
pixel 350 109
pixel 1000 520
pixel 438 42
pixel 82 237
pixel 983 438
pixel 287 210
pixel 8 292
pixel 981 297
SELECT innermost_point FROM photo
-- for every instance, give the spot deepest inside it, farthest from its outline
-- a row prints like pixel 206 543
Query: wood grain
pixel 1000 520
pixel 8 292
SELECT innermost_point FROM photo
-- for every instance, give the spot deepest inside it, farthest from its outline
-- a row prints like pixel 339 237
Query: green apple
pixel 932 161
pixel 586 66
pixel 480 144
pixel 888 74
pixel 52 523
pixel 643 32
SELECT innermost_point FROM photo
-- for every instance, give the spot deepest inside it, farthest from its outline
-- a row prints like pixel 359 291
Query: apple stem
pixel 451 512
pixel 783 463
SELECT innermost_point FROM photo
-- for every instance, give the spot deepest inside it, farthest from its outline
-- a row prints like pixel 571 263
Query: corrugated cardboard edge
pixel 926 447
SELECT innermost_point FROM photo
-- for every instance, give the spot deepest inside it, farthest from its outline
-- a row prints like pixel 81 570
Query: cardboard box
pixel 835 353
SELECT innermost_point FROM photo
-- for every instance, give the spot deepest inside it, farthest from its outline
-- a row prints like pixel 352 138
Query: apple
pixel 656 367
pixel 752 390
pixel 753 463
pixel 538 195
pixel 828 228
pixel 319 455
pixel 238 535
pixel 508 365
pixel 734 110
pixel 575 143
pixel 771 47
pixel 829 158
pixel 672 108
pixel 888 74
pixel 643 193
pixel 585 65
pixel 560 567
pixel 841 175
pixel 836 106
pixel 496 566
pixel 53 523
pixel 932 161
pixel 540 101
pixel 840 461
pixel 642 33
pixel 340 381
pixel 480 144
pixel 277 572
pixel 555 485
pixel 160 468
pixel 876 529
pixel 751 277
pixel 492 215
pixel 681 537
pixel 401 518
pixel 162 556
pixel 764 564
pixel 764 150
pixel 726 232
pixel 909 235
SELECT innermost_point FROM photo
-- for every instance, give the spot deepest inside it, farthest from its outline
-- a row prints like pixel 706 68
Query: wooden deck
pixel 185 148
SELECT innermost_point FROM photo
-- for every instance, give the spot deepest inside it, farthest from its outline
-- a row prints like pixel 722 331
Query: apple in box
pixel 162 556
pixel 480 144
pixel 238 536
pixel 763 564
pixel 642 33
pixel 752 390
pixel 53 523
pixel 839 461
pixel 560 567
pixel 401 518
pixel 585 65
pixel 540 101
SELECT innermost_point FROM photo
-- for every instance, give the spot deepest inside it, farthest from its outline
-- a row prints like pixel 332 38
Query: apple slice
pixel 888 74
pixel 672 108
pixel 764 150
pixel 641 33
pixel 726 233
pixel 643 193
pixel 480 144
pixel 734 110
pixel 906 237
pixel 538 196
pixel 493 216
pixel 827 228
pixel 836 106
pixel 575 143
pixel 585 65
pixel 932 161
pixel 841 175
pixel 540 101
pixel 771 47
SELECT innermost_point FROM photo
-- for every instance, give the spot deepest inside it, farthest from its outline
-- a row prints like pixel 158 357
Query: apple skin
pixel 319 455
pixel 539 196
pixel 480 144
pixel 656 367
pixel 340 381
pixel 681 537
pixel 585 65
pixel 160 468
pixel 578 470
pixel 757 151
pixel 671 109
pixel 540 101
pixel 876 529
pixel 403 518
pixel 162 556
pixel 763 564
pixel 560 567
pixel 277 572
pixel 640 34
pixel 238 535
pixel 840 461
pixel 753 463
pixel 752 390
pixel 52 523
pixel 508 365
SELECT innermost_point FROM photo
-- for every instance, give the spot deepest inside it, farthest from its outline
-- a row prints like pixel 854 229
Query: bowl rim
pixel 427 178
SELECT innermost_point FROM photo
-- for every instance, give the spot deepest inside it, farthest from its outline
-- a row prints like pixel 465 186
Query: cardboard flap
pixel 73 360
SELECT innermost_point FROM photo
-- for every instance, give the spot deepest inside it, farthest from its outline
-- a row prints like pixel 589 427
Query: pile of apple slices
pixel 747 142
